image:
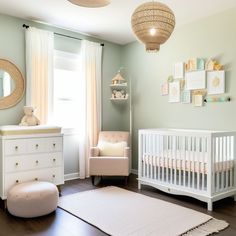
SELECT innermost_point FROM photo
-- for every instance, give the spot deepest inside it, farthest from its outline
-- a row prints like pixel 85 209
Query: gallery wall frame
pixel 216 82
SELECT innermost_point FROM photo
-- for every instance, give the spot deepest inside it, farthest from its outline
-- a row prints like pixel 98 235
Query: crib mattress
pixel 167 160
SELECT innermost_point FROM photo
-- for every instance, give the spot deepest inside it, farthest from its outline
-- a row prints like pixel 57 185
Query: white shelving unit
pixel 126 100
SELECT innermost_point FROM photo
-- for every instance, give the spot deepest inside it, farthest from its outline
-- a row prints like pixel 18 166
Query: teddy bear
pixel 29 119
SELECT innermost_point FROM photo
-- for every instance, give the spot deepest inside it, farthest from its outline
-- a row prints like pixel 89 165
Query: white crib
pixel 200 164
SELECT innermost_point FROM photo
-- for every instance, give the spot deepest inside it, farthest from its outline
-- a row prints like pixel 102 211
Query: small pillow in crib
pixel 111 149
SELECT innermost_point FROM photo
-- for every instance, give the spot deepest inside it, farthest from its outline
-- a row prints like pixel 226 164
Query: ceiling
pixel 111 23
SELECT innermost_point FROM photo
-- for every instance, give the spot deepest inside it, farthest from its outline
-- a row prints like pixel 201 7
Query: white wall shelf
pixel 118 99
pixel 119 88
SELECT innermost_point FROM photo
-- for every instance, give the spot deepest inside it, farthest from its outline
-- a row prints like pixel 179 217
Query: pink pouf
pixel 32 199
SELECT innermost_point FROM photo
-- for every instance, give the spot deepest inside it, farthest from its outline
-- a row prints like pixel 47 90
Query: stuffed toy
pixel 29 119
pixel 118 94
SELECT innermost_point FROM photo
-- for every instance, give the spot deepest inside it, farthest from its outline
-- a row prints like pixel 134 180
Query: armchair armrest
pixel 127 152
pixel 94 152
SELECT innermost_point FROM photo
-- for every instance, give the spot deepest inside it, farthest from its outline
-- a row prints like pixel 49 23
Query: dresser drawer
pixel 35 161
pixel 54 144
pixel 36 145
pixel 33 145
pixel 15 147
pixel 53 175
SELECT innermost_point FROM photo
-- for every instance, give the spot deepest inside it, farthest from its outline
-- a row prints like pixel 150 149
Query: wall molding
pixel 71 176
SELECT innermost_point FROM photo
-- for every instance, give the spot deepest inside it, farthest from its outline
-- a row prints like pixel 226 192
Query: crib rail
pixel 200 161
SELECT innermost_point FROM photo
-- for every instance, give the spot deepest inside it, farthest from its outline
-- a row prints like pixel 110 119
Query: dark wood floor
pixel 61 223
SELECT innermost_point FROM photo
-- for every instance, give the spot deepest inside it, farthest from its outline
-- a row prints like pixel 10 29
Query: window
pixel 67 90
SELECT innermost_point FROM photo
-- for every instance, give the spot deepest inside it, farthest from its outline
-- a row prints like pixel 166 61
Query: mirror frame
pixel 19 90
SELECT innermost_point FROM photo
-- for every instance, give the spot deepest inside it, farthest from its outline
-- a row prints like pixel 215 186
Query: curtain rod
pixel 64 35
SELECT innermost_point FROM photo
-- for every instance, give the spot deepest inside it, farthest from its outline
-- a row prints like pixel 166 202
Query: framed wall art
pixel 179 70
pixel 165 89
pixel 216 82
pixel 186 96
pixel 195 80
pixel 174 92
pixel 198 100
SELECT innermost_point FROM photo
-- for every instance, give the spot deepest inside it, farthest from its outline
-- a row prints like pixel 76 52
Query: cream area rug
pixel 121 212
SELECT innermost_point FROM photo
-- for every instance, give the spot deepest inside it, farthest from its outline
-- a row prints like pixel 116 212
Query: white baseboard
pixel 76 175
pixel 134 171
pixel 71 176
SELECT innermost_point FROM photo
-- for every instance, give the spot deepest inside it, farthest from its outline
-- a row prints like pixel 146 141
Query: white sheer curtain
pixel 91 62
pixel 39 71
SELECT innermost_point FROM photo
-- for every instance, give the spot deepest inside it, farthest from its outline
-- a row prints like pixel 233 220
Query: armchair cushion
pixel 112 149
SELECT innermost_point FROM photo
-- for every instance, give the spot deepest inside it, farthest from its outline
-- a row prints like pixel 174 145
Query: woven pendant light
pixel 153 23
pixel 90 3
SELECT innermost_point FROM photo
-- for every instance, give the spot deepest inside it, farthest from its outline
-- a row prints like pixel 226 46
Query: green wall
pixel 12 47
pixel 212 37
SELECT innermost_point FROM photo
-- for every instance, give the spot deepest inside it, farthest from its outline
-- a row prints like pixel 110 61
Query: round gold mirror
pixel 11 84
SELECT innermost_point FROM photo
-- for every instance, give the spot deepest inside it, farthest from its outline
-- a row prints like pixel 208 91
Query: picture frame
pixel 194 64
pixel 174 92
pixel 179 70
pixel 198 100
pixel 186 96
pixel 216 82
pixel 165 89
pixel 195 80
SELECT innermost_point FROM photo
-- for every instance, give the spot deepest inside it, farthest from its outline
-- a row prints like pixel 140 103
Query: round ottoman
pixel 32 199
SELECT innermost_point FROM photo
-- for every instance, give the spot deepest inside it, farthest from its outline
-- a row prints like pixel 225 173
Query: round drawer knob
pixel 37 162
pixel 36 179
pixel 54 159
pixel 16 147
pixel 17 163
pixel 54 145
pixel 36 145
pixel 53 176
pixel 17 181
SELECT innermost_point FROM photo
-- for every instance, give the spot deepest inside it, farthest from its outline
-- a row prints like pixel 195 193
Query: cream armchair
pixel 111 156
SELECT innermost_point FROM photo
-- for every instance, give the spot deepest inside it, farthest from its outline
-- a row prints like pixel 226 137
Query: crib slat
pixel 218 166
pixel 213 163
pixel 184 155
pixel 221 162
pixel 198 163
pixel 231 158
pixel 193 161
pixel 227 163
pixel 155 155
pixel 143 153
pixel 152 155
pixel 203 162
pixel 180 148
pixel 163 161
pixel 188 158
pixel 160 156
pixel 172 159
pixel 149 156
pixel 175 157
pixel 146 156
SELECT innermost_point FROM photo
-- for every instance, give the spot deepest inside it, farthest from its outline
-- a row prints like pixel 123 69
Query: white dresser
pixel 30 153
